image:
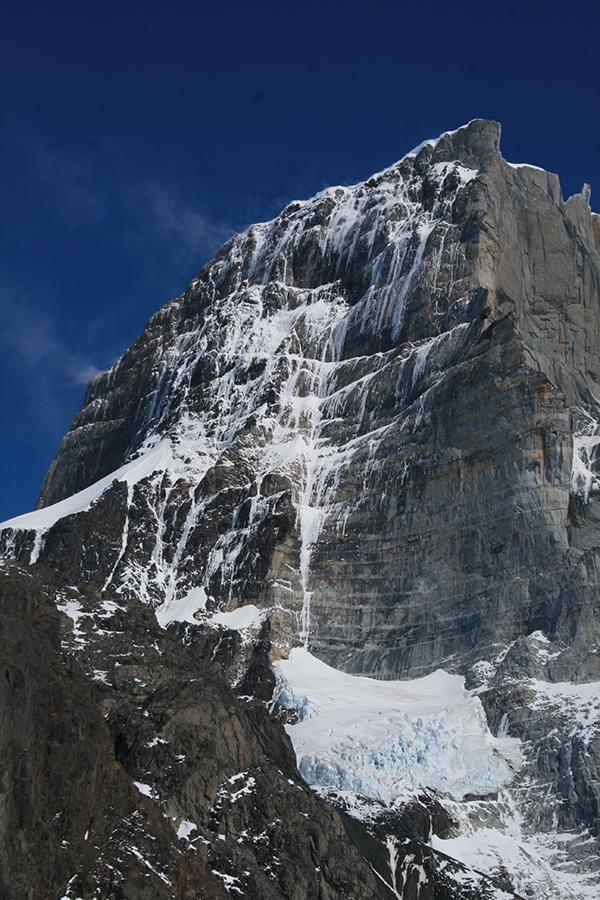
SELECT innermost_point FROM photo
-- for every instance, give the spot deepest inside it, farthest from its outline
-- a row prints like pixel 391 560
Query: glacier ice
pixel 386 739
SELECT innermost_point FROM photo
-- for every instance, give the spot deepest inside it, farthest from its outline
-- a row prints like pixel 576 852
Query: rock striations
pixel 369 428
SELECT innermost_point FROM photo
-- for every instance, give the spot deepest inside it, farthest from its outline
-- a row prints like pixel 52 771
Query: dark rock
pixel 119 703
pixel 72 822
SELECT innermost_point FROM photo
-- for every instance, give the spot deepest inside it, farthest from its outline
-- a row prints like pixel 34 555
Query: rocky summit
pixel 310 605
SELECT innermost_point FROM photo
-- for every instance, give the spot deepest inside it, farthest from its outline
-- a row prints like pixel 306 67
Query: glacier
pixel 370 746
pixel 387 739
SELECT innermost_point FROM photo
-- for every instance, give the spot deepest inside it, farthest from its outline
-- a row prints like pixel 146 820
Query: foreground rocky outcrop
pixel 73 822
pixel 116 740
pixel 370 427
pixel 131 770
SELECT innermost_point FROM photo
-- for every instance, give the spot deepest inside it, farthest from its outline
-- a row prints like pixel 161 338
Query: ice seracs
pixel 384 740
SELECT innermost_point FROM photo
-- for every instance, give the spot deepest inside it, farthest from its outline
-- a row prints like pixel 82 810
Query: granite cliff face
pixel 371 428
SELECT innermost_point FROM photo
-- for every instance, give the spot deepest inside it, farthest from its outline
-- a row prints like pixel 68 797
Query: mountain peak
pixel 476 144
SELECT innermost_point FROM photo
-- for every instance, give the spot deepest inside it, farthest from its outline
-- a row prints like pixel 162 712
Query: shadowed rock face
pixel 130 770
pixel 376 419
pixel 72 822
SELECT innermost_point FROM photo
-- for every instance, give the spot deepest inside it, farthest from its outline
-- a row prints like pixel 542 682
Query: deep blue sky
pixel 137 136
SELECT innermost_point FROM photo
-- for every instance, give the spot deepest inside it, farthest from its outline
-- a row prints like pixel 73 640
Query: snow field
pixel 387 739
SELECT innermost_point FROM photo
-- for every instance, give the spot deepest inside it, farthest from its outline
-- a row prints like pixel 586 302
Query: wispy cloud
pixel 45 375
pixel 32 336
pixel 155 231
pixel 150 215
pixel 161 215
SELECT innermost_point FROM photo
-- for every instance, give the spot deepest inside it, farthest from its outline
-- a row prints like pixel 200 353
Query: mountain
pixel 364 442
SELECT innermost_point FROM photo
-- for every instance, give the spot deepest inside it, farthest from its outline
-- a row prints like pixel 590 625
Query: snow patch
pixel 581 702
pixel 144 789
pixel 526 166
pixel 156 459
pixel 185 828
pixel 585 472
pixel 230 882
pixel 239 619
pixel 73 609
pixel 183 609
pixel 530 860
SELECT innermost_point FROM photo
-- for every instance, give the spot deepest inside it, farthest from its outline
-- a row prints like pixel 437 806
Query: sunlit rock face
pixel 370 407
